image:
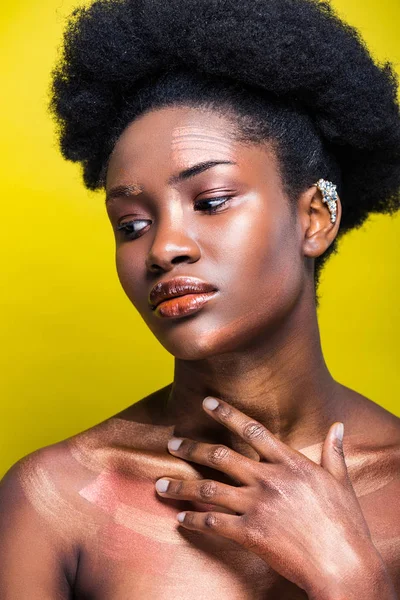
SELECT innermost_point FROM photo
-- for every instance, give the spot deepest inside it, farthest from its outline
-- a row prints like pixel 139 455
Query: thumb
pixel 332 457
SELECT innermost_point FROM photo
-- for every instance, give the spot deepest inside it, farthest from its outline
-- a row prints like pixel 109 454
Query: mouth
pixel 186 304
pixel 180 287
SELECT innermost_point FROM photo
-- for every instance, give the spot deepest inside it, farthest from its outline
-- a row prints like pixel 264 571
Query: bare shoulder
pixel 373 460
pixel 69 462
pixel 65 501
pixel 369 427
pixel 40 493
pixel 371 445
pixel 53 482
pixel 38 539
pixel 48 483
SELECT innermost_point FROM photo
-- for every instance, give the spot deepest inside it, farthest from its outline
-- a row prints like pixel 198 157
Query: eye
pixel 215 204
pixel 128 229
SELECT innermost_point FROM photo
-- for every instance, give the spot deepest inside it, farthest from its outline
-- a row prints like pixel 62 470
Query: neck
pixel 282 381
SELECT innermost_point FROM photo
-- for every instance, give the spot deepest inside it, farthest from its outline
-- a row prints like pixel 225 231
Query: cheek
pixel 131 273
pixel 261 254
pixel 261 276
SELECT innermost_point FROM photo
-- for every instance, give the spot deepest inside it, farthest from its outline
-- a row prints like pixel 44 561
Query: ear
pixel 318 230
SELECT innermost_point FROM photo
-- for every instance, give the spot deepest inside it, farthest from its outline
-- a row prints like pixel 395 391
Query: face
pixel 229 225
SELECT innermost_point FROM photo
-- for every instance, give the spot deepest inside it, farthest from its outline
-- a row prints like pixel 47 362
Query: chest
pixel 193 566
pixel 139 551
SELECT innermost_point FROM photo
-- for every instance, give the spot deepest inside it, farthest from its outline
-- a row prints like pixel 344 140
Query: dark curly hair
pixel 288 72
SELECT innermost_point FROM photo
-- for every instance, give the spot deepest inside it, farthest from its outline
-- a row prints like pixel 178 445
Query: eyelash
pixel 126 228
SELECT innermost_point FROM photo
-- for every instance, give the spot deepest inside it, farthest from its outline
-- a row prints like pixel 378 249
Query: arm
pixel 33 564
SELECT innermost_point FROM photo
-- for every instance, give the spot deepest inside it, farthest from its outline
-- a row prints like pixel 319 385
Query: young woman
pixel 236 142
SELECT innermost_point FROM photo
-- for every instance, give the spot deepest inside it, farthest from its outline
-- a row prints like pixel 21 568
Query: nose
pixel 172 245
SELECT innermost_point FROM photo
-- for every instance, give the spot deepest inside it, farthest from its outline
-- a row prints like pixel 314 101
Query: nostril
pixel 179 259
pixel 154 268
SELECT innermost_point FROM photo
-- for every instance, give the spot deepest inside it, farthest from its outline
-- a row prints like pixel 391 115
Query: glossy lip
pixel 182 306
pixel 179 286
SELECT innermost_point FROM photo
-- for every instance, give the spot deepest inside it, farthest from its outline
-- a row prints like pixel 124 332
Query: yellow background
pixel 73 349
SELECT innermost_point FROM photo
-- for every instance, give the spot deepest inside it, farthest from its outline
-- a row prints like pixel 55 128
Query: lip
pixel 181 306
pixel 177 287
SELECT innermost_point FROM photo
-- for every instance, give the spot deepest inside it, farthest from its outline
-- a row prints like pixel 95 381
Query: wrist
pixel 370 581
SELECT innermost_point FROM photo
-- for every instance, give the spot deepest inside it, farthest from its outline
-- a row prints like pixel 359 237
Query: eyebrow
pixel 134 190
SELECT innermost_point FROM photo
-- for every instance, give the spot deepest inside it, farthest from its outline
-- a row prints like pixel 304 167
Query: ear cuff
pixel 329 196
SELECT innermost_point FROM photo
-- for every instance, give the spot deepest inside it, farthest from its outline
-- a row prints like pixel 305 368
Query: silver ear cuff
pixel 329 196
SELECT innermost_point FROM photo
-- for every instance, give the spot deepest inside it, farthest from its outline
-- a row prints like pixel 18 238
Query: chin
pixel 186 345
pixel 202 340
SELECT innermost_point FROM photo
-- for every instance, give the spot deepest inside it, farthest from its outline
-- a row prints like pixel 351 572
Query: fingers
pixel 206 491
pixel 216 456
pixel 254 433
pixel 332 456
pixel 229 526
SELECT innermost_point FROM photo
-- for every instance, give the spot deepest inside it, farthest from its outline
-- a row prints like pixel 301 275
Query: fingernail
pixel 181 516
pixel 339 431
pixel 174 443
pixel 210 403
pixel 162 485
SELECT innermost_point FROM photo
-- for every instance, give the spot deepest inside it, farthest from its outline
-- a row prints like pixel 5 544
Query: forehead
pixel 165 141
pixel 174 136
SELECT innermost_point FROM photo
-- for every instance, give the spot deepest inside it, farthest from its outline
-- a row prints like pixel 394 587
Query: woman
pixel 236 142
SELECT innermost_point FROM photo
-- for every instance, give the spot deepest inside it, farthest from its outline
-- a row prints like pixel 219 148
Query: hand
pixel 302 518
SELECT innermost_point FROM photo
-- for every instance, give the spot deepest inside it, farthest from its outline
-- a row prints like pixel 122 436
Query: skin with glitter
pixel 275 506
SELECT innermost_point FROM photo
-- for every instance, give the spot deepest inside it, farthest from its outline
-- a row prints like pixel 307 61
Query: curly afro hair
pixel 288 72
